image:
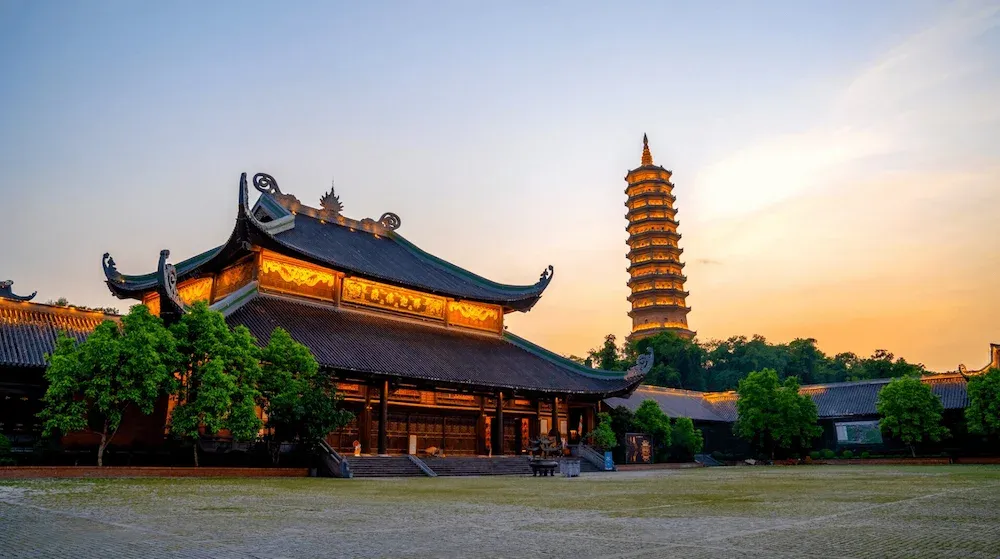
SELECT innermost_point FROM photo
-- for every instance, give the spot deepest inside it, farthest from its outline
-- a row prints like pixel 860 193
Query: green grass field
pixel 818 511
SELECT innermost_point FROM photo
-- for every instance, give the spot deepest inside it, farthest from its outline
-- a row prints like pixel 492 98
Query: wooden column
pixel 383 419
pixel 498 427
pixel 555 417
pixel 365 426
pixel 481 427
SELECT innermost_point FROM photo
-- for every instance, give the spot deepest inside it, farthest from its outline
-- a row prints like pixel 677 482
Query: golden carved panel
pixel 297 277
pixel 475 315
pixel 190 292
pixel 233 278
pixel 381 296
pixel 152 302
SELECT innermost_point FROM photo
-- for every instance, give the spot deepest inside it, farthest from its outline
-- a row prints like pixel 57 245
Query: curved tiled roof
pixel 370 344
pixel 833 400
pixel 28 331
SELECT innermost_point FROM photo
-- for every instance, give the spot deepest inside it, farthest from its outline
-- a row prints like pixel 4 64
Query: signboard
pixel 609 464
pixel 638 448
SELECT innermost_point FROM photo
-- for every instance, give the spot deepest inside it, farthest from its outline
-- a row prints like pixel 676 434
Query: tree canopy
pixel 719 365
pixel 93 383
pixel 983 413
pixel 650 419
pixel 910 412
pixel 773 415
pixel 219 371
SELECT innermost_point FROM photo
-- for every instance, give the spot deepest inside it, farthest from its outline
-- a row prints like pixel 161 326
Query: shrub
pixel 847 454
pixel 865 454
pixel 828 454
pixel 5 455
pixel 814 455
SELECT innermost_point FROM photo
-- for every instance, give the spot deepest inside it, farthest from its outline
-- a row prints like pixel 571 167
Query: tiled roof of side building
pixel 368 344
pixel 833 400
pixel 28 331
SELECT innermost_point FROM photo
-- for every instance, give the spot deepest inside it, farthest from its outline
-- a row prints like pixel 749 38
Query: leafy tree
pixel 608 356
pixel 300 402
pixel 96 381
pixel 910 412
pixel 677 362
pixel 6 458
pixel 650 419
pixel 622 422
pixel 773 415
pixel 603 436
pixel 983 413
pixel 64 302
pixel 685 440
pixel 218 376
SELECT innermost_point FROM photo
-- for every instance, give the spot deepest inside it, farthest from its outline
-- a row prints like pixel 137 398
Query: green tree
pixel 603 436
pixel 677 362
pixel 6 456
pixel 115 368
pixel 983 413
pixel 301 403
pixel 622 422
pixel 685 440
pixel 650 419
pixel 219 373
pixel 608 356
pixel 910 412
pixel 773 415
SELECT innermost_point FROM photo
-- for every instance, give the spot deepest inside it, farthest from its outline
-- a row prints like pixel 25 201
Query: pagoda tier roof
pixel 28 331
pixel 367 248
pixel 833 400
pixel 351 342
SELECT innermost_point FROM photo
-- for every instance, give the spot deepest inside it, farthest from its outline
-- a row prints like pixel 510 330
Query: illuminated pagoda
pixel 655 269
pixel 417 344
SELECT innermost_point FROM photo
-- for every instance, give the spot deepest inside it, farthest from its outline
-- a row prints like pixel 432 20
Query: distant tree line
pixel 219 378
pixel 719 365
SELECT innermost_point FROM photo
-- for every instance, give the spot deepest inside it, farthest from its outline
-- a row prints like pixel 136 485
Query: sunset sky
pixel 837 164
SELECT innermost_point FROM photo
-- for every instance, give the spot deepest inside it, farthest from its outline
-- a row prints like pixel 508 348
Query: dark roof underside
pixel 28 334
pixel 351 341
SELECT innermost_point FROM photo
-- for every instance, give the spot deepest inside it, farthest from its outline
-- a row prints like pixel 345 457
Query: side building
pixel 417 344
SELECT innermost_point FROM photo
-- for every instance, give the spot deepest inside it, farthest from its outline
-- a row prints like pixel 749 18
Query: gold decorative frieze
pixel 475 315
pixel 379 295
pixel 195 290
pixel 450 399
pixel 349 389
pixel 233 278
pixel 295 276
pixel 152 303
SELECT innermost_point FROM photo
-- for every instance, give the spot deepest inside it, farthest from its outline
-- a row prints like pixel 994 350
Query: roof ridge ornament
pixel 267 184
pixel 546 275
pixel 6 292
pixel 330 202
pixel 643 364
pixel 110 269
pixel 171 306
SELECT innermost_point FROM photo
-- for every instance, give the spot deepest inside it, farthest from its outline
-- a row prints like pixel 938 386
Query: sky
pixel 837 164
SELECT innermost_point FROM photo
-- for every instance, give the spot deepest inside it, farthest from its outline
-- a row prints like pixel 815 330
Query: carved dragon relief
pixel 643 364
pixel 6 292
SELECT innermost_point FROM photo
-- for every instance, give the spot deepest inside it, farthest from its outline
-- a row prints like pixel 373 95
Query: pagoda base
pixel 680 332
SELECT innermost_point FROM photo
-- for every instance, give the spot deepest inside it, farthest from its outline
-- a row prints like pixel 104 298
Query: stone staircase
pixel 479 466
pixel 586 467
pixel 384 466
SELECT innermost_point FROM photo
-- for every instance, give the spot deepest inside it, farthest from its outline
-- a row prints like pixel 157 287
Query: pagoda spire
pixel 647 158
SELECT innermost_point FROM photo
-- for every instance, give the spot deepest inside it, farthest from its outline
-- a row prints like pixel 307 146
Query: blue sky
pixel 836 163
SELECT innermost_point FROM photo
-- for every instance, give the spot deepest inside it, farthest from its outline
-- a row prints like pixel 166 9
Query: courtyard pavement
pixel 747 512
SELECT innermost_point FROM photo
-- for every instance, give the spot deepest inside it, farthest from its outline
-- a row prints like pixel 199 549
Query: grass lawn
pixel 817 511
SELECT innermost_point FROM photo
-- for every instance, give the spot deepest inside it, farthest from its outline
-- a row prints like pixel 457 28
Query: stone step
pixel 479 466
pixel 383 466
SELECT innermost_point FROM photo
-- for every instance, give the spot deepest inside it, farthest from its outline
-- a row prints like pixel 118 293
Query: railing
pixel 422 465
pixel 331 460
pixel 591 455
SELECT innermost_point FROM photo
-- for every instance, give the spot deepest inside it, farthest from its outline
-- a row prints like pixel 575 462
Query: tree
pixel 685 440
pixel 910 412
pixel 772 415
pixel 650 419
pixel 622 422
pixel 677 362
pixel 301 403
pixel 218 377
pixel 603 436
pixel 983 413
pixel 608 356
pixel 96 381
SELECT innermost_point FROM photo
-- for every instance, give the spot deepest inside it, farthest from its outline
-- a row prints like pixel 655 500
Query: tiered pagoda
pixel 655 269
pixel 417 344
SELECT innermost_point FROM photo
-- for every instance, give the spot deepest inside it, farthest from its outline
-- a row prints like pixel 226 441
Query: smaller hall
pixel 417 344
